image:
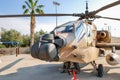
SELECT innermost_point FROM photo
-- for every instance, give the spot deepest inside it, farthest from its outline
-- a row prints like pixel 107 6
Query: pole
pixel 56 16
pixel 56 4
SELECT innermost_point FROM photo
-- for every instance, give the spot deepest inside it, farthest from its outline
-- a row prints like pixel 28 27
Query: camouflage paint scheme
pixel 85 50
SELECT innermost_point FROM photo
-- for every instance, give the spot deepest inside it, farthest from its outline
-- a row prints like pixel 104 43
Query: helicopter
pixel 76 41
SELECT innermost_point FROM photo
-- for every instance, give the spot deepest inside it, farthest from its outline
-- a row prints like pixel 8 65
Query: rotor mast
pixel 86 12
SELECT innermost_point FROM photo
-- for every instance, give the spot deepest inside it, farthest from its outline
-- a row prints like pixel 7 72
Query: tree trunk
pixel 32 27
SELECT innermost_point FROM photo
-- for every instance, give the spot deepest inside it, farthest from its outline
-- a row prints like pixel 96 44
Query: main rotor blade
pixel 118 19
pixel 107 6
pixel 41 15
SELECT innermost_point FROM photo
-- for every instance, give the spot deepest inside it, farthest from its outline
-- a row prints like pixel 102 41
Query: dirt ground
pixel 24 67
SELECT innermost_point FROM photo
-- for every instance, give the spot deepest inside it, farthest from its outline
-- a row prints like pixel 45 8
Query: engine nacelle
pixel 47 47
pixel 112 59
pixel 103 36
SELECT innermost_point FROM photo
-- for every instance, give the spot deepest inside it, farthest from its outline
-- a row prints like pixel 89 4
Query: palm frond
pixel 24 6
pixel 28 5
pixel 42 12
pixel 35 4
pixel 40 6
pixel 32 3
pixel 26 11
pixel 39 11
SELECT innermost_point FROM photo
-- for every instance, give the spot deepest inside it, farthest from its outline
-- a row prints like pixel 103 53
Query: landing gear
pixel 99 68
pixel 73 68
pixel 101 53
pixel 69 66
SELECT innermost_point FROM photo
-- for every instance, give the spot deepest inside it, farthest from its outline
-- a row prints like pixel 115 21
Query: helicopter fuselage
pixel 73 41
pixel 80 46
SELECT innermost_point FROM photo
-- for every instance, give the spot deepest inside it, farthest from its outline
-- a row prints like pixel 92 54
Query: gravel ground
pixel 24 67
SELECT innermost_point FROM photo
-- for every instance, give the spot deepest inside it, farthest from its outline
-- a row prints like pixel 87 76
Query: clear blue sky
pixel 66 6
pixel 48 23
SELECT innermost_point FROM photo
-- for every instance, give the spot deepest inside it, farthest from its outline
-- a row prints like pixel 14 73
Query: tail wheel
pixel 100 70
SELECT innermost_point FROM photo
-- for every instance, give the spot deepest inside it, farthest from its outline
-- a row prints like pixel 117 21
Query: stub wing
pixel 108 45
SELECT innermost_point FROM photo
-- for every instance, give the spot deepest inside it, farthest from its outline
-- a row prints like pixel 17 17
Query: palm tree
pixel 31 7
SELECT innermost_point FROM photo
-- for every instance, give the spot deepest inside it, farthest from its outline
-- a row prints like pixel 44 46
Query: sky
pixel 66 6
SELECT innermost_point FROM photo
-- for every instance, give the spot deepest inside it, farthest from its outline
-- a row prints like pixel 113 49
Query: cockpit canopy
pixel 65 28
pixel 80 30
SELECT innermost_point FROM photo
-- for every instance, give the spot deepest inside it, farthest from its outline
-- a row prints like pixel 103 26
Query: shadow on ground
pixel 52 72
pixel 10 65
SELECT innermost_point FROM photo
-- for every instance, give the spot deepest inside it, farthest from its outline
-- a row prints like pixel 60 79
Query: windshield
pixel 81 30
pixel 65 28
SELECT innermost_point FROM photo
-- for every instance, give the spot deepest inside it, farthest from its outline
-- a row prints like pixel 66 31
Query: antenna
pixel 86 12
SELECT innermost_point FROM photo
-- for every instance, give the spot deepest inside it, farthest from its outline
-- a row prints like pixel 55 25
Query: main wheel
pixel 77 67
pixel 100 70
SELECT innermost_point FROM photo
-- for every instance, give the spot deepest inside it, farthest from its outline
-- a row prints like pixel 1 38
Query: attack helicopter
pixel 76 41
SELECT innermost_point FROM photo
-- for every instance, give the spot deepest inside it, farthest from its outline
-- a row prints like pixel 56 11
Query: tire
pixel 100 70
pixel 77 67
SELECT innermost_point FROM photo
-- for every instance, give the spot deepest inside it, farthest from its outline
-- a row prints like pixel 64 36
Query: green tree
pixel 26 41
pixel 31 7
pixel 38 34
pixel 10 36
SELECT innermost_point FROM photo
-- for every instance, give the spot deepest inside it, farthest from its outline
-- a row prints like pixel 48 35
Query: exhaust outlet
pixel 113 59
